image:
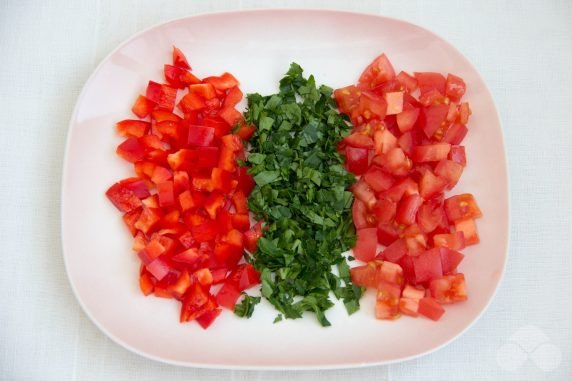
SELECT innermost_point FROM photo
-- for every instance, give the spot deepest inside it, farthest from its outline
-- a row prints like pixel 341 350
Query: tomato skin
pixel 366 244
pixel 379 71
pixel 429 307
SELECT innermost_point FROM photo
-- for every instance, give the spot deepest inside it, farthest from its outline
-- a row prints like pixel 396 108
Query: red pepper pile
pixel 187 206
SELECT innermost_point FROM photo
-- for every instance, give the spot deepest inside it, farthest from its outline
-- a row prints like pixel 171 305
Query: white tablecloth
pixel 522 49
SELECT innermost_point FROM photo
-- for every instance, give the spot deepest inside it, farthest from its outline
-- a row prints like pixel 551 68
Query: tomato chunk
pixel 449 288
pixel 366 244
pixel 429 307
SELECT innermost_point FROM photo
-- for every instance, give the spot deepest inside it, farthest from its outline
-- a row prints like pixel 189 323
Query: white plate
pixel 257 47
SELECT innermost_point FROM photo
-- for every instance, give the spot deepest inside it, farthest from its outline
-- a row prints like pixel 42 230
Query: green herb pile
pixel 301 193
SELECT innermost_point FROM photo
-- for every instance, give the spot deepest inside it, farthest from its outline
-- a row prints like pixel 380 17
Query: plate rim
pixel 260 367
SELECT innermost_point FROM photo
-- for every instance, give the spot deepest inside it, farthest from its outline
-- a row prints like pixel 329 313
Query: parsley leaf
pixel 301 193
pixel 246 307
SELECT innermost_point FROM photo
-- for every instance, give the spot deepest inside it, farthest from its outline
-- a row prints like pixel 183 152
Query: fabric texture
pixel 522 49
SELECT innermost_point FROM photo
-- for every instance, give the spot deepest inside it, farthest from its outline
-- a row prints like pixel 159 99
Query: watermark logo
pixel 529 343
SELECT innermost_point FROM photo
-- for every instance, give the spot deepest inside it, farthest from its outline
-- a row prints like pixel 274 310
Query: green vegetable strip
pixel 301 193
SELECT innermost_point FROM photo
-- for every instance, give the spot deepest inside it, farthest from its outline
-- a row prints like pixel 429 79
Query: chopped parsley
pixel 302 194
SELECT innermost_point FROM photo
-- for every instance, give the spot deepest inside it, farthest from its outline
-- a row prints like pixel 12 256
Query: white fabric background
pixel 49 48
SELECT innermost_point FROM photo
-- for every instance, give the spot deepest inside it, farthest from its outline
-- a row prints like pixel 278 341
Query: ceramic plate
pixel 257 47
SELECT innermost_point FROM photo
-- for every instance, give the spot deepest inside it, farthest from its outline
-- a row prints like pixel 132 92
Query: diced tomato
pixel 428 307
pixel 379 71
pixel 347 98
pixel 365 275
pixel 468 227
pixel 450 259
pixel 358 140
pixel 378 180
pixel 428 266
pixel 414 293
pixel 433 98
pixel 360 215
pixel 395 162
pixel 366 244
pixel 455 87
pixel 384 210
pixel 464 113
pixel 409 82
pixel 406 119
pixel 394 102
pixel 457 154
pixel 431 152
pixel 363 192
pixel 432 118
pixel 428 81
pixel 449 171
pixel 415 240
pixel 387 233
pixel 357 160
pixel 192 102
pixel 384 141
pixel 395 251
pixel 453 241
pixel 431 185
pixel 462 206
pixel 371 106
pixel 231 115
pixel 455 134
pixel 449 288
pixel 407 209
pixel 387 301
pixel 431 217
pixel 409 306
pixel 402 188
